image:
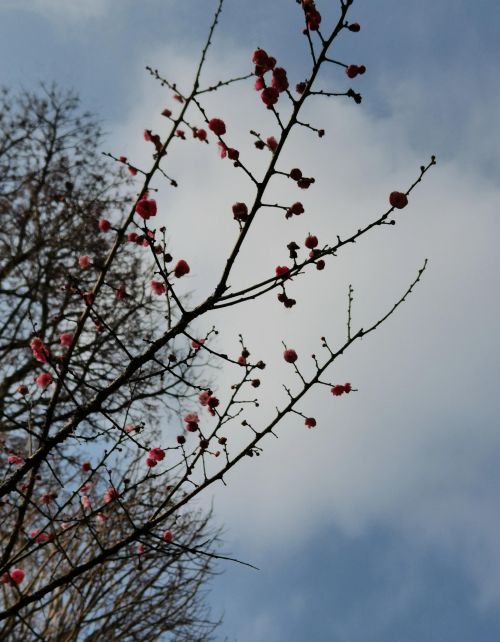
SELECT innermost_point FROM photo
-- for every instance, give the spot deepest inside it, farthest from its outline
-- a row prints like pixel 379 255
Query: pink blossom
pixel 158 287
pixel 181 268
pixel 66 339
pixel 110 495
pixel 16 460
pixel 157 454
pixel 17 575
pixel 39 350
pixel 84 261
pixel 37 535
pixel 44 380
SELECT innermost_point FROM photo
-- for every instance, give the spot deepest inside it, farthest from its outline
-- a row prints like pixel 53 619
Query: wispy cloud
pixel 414 450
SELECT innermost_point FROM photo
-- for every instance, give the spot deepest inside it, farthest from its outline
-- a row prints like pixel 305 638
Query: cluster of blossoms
pixel 132 170
pixel 340 389
pixel 192 420
pixel 199 133
pixel 39 350
pixel 15 576
pixel 218 127
pixel 312 15
pixel 38 536
pixel 353 70
pixel 279 81
pixel 153 138
pixel 207 399
pixel 302 181
pixel 15 460
pixel 296 208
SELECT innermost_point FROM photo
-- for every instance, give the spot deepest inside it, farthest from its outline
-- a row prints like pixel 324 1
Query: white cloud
pixel 416 448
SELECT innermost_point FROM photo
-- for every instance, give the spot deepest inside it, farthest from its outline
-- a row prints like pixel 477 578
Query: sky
pixel 382 523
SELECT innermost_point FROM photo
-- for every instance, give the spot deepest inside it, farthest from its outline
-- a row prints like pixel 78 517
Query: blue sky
pixel 384 523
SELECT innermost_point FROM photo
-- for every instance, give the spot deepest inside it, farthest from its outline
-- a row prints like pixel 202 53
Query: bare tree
pixel 56 191
pixel 77 402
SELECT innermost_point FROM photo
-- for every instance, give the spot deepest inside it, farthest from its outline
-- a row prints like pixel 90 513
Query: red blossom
pixel 121 293
pixel 158 287
pixel 44 380
pixel 218 126
pixel 66 339
pixel 260 57
pixel 398 200
pixel 181 268
pixel 89 298
pixel 201 134
pixel 281 270
pixel 279 80
pixel 352 71
pixel 311 242
pixel 240 211
pixel 340 389
pixel 158 454
pixel 38 536
pixel 17 575
pixel 290 356
pixel 15 460
pixel 39 350
pixel 146 208
pixel 259 83
pixel 272 143
pixel 269 96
